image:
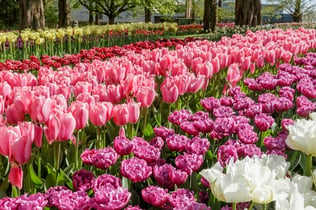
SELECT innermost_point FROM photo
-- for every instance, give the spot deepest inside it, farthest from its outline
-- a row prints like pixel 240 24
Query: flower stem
pixel 234 206
pixel 251 206
pixel 77 151
pixel 145 119
pixel 57 151
pixel 308 169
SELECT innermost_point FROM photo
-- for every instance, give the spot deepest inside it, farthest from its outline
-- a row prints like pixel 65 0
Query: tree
pixel 9 12
pixel 157 6
pixel 213 14
pixel 111 8
pixel 209 15
pixel 248 12
pixel 64 13
pixel 298 8
pixel 32 14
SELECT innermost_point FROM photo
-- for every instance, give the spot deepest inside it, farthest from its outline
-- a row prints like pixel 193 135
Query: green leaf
pixel 50 181
pixel 148 130
pixel 35 179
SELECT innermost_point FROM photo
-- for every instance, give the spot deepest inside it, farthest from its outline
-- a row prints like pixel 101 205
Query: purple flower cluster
pixel 101 158
pixel 135 169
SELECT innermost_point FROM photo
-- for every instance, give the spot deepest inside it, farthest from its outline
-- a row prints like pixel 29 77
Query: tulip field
pixel 162 124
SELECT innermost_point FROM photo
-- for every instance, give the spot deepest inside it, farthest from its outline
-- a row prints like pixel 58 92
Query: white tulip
pixel 302 136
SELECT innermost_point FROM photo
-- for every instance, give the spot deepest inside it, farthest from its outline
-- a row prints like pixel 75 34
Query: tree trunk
pixel 213 14
pixel 207 15
pixel 90 13
pixel 297 15
pixel 97 19
pixel 147 11
pixel 188 7
pixel 64 13
pixel 219 3
pixel 32 14
pixel 248 12
pixel 111 19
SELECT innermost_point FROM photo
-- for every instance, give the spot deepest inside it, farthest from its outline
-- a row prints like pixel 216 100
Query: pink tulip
pixel 120 114
pixel 41 108
pixel 112 93
pixel 60 127
pixel 82 87
pixel 100 113
pixel 206 69
pixel 5 89
pixel 169 90
pixel 80 111
pixel 7 136
pixel 133 111
pixel 233 75
pixel 14 114
pixel 16 176
pixel 21 150
pixel 146 96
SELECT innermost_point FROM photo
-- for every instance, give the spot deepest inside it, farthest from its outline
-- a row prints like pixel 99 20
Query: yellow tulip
pixel 39 41
pixel 60 33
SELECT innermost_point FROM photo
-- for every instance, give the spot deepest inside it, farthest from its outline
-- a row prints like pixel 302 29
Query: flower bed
pixel 155 97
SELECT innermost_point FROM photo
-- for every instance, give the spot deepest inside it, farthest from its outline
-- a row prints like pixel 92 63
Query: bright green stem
pixel 57 152
pixel 308 170
pixel 77 151
pixel 39 166
pixel 234 206
pixel 251 206
pixel 15 192
pixel 98 143
pixel 145 119
pixel 130 132
pixel 169 111
pixel 104 136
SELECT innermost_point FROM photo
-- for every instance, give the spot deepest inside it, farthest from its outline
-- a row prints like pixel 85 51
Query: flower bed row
pixel 87 56
pixel 92 100
pixel 243 133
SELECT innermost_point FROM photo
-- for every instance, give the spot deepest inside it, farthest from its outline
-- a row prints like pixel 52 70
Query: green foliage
pixel 226 14
pixel 51 13
pixel 9 14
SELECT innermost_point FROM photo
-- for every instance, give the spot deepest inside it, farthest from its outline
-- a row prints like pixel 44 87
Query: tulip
pixel 169 90
pixel 16 176
pixel 133 111
pixel 100 113
pixel 80 112
pixel 135 169
pixel 146 96
pixel 154 195
pixel 120 114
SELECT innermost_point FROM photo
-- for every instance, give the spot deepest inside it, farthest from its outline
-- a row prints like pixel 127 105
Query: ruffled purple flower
pixel 247 136
pixel 283 104
pixel 226 101
pixel 225 126
pixel 287 92
pixel 253 110
pixel 34 201
pixel 203 126
pixel 64 199
pixel 163 132
pixel 188 127
pixel 276 152
pixel 210 103
pixel 267 80
pixel 266 98
pixel 197 146
pixel 133 208
pixel 157 142
pixel 263 121
pixel 168 176
pixel 285 78
pixel 252 84
pixel 155 196
pixel 181 198
pixel 200 115
pixel 223 111
pixel 82 180
pixel 306 87
pixel 286 122
pixel 177 142
pixel 106 182
pixel 242 103
pixel 304 106
pixel 122 145
pixel 204 196
pixel 248 150
pixel 225 153
pixel 115 199
pixel 235 91
pixel 179 116
pixel 274 143
pixel 148 152
pixel 101 158
pixel 135 169
pixel 196 206
pixel 189 162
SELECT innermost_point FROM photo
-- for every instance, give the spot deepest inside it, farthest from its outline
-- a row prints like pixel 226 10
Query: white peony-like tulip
pixel 251 179
pixel 302 136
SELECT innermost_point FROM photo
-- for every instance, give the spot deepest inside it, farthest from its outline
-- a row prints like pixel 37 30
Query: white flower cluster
pixel 261 180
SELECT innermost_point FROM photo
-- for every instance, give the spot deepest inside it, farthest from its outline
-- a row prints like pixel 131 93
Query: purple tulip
pixel 178 177
pixel 34 201
pixel 157 142
pixel 285 78
pixel 283 104
pixel 132 208
pixel 286 122
pixel 225 126
pixel 176 142
pixel 225 153
pixel 242 103
pixel 82 180
pixel 223 111
pixel 181 198
pixel 287 92
pixel 263 121
pixel 210 103
pixel 101 158
pixel 148 152
pixel 135 169
pixel 247 136
pixel 122 145
pixel 253 110
pixel 226 101
pixel 200 115
pixel 252 84
pixel 155 196
pixel 106 182
pixel 204 126
pixel 115 199
pixel 189 162
pixel 163 132
pixel 197 146
pixel 189 128
pixel 274 143
pixel 179 116
pixel 162 175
